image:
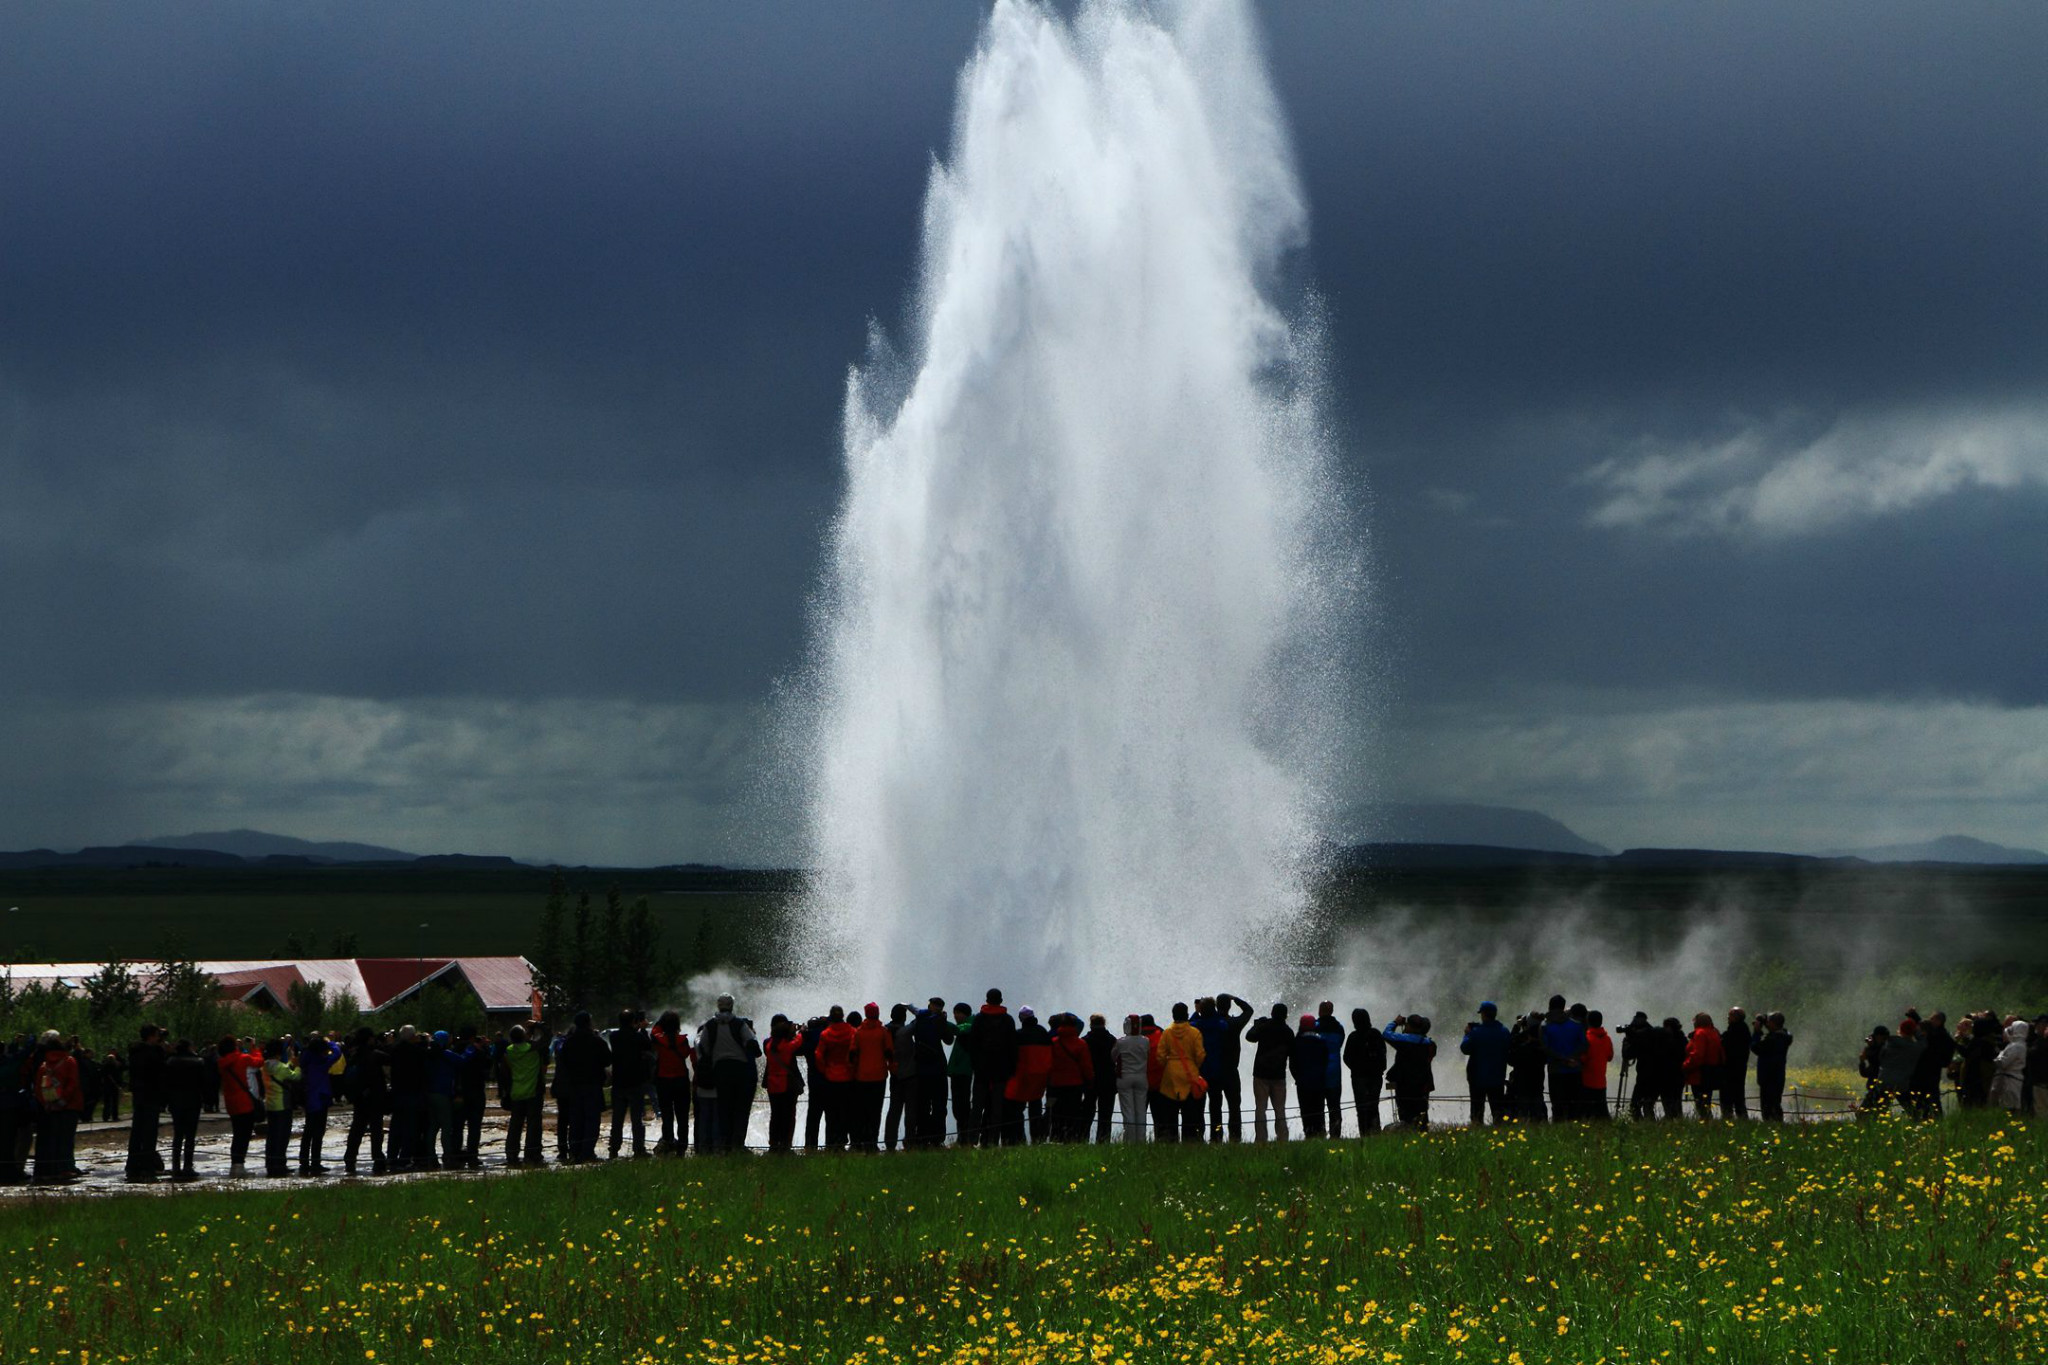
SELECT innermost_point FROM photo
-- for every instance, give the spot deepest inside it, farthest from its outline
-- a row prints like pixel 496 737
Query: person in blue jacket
pixel 317 1057
pixel 1485 1046
pixel 1333 1070
pixel 444 1078
pixel 1310 1063
pixel 1222 1060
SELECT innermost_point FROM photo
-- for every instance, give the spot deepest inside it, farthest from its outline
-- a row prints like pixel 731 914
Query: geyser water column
pixel 1077 651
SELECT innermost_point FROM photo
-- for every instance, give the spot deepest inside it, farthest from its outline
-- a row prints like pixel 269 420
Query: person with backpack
pixel 241 1096
pixel 113 1074
pixel 366 1080
pixel 279 1075
pixel 832 1057
pixel 673 1056
pixel 61 1100
pixel 730 1052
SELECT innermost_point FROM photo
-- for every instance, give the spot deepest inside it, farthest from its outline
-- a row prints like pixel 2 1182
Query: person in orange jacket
pixel 1593 1070
pixel 1069 1080
pixel 784 1081
pixel 1024 1093
pixel 835 1076
pixel 1181 1054
pixel 1703 1063
pixel 874 1052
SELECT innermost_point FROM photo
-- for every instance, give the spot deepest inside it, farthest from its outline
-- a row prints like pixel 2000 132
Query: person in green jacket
pixel 960 1076
pixel 525 1064
pixel 280 1073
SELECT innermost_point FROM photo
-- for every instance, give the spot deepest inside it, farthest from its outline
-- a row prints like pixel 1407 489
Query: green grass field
pixel 1855 1243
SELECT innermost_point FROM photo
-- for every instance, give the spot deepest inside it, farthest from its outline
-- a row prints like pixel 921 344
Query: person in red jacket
pixel 62 1100
pixel 1069 1078
pixel 784 1081
pixel 673 1054
pixel 835 1076
pixel 1024 1093
pixel 874 1052
pixel 1593 1069
pixel 1703 1063
pixel 238 1085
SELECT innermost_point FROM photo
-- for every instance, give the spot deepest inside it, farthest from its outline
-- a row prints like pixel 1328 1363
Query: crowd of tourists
pixel 405 1099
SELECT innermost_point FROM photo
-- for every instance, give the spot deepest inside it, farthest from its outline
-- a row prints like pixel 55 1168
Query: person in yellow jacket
pixel 279 1074
pixel 1180 1077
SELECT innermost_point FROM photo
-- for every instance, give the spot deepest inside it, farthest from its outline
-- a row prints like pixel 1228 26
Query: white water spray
pixel 1078 664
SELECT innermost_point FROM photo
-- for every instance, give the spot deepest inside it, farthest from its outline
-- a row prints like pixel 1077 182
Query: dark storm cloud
pixel 496 352
pixel 309 310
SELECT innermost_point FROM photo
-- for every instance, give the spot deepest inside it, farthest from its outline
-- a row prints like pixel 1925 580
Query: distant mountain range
pixel 1949 848
pixel 1460 822
pixel 241 848
pixel 1398 834
pixel 254 844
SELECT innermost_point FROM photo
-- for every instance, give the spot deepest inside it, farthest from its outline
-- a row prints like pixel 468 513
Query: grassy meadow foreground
pixel 1651 1242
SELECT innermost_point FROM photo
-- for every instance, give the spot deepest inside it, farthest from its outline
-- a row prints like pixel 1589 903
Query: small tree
pixel 344 945
pixel 612 949
pixel 113 992
pixel 642 946
pixel 551 967
pixel 305 1002
pixel 583 954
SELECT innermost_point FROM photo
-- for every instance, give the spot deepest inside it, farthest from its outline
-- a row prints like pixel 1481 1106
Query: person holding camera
pixel 1485 1046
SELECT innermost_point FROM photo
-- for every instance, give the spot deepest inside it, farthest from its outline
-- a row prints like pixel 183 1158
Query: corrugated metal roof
pixel 501 983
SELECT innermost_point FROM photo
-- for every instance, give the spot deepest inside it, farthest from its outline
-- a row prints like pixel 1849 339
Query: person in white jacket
pixel 1132 1054
pixel 2007 1079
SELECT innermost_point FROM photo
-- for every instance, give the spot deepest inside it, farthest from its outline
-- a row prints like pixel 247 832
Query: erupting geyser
pixel 1078 657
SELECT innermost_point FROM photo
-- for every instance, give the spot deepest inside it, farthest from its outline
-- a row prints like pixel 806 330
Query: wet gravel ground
pixel 103 1150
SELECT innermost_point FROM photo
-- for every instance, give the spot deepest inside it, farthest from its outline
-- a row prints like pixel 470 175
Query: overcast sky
pixel 417 424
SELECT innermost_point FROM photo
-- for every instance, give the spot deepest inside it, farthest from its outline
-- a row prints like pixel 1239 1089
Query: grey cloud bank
pixel 398 404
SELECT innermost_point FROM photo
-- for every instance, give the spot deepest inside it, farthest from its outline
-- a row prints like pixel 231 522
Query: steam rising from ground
pixel 1078 661
pixel 1834 973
